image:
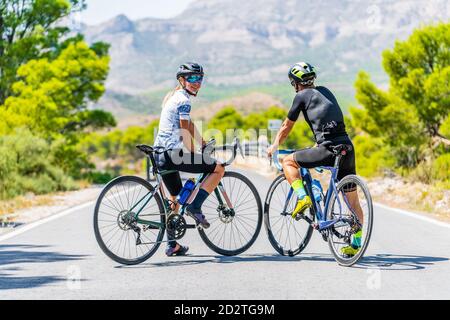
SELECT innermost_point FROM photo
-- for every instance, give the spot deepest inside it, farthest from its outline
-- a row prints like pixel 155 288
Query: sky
pixel 101 10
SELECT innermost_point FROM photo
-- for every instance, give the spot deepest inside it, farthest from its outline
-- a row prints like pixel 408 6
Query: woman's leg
pixel 173 183
pixel 213 179
pixel 198 163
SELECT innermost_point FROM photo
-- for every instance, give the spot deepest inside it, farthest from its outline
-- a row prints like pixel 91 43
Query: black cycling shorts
pixel 182 161
pixel 323 156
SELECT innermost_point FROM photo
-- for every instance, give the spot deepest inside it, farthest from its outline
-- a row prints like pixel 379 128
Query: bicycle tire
pixel 206 235
pixel 98 235
pixel 280 248
pixel 348 262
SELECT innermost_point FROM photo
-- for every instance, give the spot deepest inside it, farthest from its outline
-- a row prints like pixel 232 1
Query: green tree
pixel 408 117
pixel 29 29
pixel 48 80
pixel 226 119
pixel 29 164
pixel 51 98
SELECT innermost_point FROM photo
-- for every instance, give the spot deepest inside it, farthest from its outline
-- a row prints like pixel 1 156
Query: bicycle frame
pixel 152 168
pixel 219 192
pixel 322 220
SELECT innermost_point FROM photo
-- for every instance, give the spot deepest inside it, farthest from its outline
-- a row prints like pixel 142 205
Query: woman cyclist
pixel 324 116
pixel 176 137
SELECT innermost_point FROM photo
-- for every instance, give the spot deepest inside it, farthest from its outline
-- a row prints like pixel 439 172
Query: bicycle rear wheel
pixel 286 235
pixel 340 235
pixel 116 229
pixel 233 232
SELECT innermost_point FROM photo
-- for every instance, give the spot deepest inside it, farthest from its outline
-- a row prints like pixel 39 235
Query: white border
pixel 413 215
pixel 35 224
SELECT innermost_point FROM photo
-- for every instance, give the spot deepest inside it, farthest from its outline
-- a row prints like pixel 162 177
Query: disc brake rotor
pixel 125 219
pixel 225 215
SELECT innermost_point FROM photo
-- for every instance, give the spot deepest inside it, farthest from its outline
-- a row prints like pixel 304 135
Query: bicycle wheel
pixel 115 226
pixel 286 235
pixel 232 233
pixel 339 236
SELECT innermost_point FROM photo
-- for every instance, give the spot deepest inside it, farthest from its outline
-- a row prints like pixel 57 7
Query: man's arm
pixel 288 124
pixel 286 128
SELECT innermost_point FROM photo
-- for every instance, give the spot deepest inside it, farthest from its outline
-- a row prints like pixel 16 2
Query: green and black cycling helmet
pixel 302 73
pixel 189 68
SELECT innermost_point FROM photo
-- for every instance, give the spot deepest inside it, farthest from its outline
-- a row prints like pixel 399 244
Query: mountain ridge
pixel 254 42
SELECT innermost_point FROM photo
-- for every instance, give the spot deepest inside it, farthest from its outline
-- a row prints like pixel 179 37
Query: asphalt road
pixel 407 259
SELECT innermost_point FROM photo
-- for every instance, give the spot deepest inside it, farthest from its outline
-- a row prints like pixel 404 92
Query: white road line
pixel 35 224
pixel 38 223
pixel 413 215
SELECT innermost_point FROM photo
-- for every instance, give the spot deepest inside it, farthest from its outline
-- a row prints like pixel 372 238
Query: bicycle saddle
pixel 149 149
pixel 342 149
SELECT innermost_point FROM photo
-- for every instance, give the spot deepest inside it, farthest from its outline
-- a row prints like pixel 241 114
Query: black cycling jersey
pixel 322 113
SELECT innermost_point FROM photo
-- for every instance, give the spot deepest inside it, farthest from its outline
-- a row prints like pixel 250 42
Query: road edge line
pixel 414 215
pixel 40 222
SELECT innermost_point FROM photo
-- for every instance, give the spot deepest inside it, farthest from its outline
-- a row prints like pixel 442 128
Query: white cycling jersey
pixel 177 107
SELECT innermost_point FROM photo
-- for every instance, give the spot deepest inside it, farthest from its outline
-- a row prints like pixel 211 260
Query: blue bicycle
pixel 345 210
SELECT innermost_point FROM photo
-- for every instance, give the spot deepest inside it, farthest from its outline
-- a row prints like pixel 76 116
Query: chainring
pixel 176 226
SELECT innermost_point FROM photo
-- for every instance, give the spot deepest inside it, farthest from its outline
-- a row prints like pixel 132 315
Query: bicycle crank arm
pixel 156 242
pixel 323 225
pixel 307 219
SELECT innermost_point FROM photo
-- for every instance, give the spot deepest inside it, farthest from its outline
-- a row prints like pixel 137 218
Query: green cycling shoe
pixel 302 205
pixel 355 246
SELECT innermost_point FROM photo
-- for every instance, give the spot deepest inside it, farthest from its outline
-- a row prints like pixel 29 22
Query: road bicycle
pixel 337 222
pixel 131 215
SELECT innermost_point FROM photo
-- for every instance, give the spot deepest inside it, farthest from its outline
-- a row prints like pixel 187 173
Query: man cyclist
pixel 176 137
pixel 324 116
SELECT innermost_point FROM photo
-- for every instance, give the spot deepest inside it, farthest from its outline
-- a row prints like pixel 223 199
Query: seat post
pixel 337 161
pixel 148 168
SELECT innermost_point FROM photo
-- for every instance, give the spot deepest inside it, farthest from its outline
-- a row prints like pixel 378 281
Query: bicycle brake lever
pixel 240 149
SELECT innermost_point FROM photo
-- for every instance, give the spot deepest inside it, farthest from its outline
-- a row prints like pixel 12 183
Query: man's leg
pixel 348 167
pixel 292 172
pixel 355 245
pixel 353 201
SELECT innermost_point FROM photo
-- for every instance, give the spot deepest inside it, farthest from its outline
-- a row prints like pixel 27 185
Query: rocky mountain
pixel 253 43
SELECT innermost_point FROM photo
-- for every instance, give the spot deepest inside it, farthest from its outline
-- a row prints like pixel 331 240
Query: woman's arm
pixel 196 134
pixel 186 135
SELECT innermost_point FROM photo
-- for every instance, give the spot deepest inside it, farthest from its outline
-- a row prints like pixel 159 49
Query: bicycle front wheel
pixel 120 235
pixel 286 235
pixel 232 231
pixel 353 203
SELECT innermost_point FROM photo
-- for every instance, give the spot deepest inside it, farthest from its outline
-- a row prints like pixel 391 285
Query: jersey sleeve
pixel 297 106
pixel 184 111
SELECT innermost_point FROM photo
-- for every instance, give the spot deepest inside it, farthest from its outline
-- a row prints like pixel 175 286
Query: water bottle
pixel 317 190
pixel 188 187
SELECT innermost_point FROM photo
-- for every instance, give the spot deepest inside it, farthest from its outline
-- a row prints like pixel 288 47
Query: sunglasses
pixel 194 79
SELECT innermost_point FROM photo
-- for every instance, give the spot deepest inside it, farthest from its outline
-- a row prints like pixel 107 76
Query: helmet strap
pixel 190 93
pixel 185 89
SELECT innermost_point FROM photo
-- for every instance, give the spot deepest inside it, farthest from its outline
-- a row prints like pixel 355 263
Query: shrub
pixel 441 168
